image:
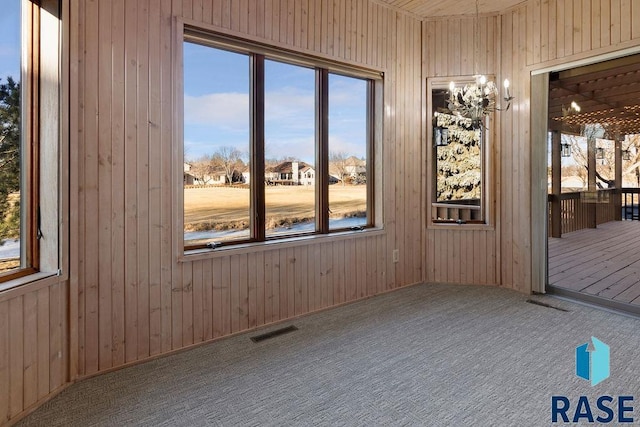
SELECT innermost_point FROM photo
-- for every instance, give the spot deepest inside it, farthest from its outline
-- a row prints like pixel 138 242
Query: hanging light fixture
pixel 574 108
pixel 599 153
pixel 476 100
pixel 566 149
pixel 626 154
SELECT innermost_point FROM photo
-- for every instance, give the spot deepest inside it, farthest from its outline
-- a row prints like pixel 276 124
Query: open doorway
pixel 593 175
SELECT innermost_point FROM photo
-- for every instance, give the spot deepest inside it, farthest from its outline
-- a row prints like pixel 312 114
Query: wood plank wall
pixel 460 46
pixel 535 34
pixel 136 299
pixel 33 346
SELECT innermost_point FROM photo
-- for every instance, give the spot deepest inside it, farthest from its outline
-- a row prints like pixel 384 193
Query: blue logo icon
pixel 592 363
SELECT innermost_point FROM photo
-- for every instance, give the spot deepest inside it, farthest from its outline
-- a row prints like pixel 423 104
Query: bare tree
pixel 605 170
pixel 338 164
pixel 229 159
pixel 202 169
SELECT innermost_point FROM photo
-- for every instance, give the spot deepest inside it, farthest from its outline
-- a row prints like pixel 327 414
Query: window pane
pixel 10 150
pixel 216 145
pixel 289 149
pixel 458 164
pixel 347 152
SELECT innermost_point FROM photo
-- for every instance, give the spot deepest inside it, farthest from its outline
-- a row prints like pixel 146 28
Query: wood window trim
pixel 30 143
pixel 258 53
pixel 487 190
pixel 44 45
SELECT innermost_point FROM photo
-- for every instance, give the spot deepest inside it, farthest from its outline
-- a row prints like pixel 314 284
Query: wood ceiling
pixel 434 8
pixel 608 93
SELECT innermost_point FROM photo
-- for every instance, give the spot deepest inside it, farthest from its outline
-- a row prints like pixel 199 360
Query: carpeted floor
pixel 428 355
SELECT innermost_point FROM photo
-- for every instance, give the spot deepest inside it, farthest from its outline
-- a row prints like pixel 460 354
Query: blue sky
pixel 217 107
pixel 10 40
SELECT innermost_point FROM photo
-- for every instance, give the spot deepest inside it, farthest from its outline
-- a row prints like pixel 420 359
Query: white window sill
pixel 26 280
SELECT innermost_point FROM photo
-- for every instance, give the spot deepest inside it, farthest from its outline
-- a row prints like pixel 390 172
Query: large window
pixel 29 129
pixel 275 145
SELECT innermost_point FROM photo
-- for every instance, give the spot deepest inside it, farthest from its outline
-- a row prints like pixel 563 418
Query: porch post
pixel 591 165
pixel 556 184
pixel 617 196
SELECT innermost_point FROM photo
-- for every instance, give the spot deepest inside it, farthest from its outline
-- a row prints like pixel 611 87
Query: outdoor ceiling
pixel 608 93
pixel 432 8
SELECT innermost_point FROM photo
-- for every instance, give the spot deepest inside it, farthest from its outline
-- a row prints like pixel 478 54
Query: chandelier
pixel 475 101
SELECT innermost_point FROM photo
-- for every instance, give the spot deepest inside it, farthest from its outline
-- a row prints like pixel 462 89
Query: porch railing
pixel 584 209
pixel 630 202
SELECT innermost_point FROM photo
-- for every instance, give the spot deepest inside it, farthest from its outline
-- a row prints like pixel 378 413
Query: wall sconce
pixel 600 153
pixel 566 149
pixel 626 154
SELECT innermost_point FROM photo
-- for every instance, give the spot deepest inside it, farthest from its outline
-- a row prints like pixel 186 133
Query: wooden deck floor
pixel 604 261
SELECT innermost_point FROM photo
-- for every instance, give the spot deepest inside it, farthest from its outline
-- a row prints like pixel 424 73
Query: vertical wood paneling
pixel 157 325
pixel 105 81
pixel 16 355
pixel 117 184
pixel 137 298
pixel 455 255
pixel 88 281
pixel 578 27
pixel 30 345
pixel 130 192
pixel 44 342
pixel 5 368
pixel 170 274
pixel 33 353
pixel 145 309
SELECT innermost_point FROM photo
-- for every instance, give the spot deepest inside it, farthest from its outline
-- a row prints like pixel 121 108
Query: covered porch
pixel 601 264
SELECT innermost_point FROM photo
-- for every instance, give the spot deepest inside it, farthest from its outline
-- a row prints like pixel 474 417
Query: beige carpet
pixel 430 355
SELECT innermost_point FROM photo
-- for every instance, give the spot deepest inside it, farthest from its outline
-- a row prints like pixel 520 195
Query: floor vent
pixel 544 304
pixel 274 334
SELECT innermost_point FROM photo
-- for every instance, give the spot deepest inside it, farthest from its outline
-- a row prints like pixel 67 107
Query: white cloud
pixel 227 110
pixel 290 105
pixel 338 144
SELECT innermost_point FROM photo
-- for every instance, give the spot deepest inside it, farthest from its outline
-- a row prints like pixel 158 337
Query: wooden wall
pixel 33 346
pixel 535 35
pixel 469 253
pixel 137 297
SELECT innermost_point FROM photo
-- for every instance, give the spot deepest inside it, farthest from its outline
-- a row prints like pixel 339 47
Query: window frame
pixel 258 53
pixel 40 58
pixel 487 160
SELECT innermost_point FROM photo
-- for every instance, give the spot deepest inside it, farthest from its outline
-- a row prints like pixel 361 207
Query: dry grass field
pixel 9 264
pixel 224 208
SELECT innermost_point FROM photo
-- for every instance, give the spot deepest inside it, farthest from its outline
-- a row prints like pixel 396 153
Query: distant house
pixel 355 167
pixel 245 172
pixel 351 169
pixel 290 173
pixel 189 178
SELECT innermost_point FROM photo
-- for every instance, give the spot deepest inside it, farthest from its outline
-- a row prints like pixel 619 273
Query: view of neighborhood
pixel 217 198
pixel 217 130
pixel 222 169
